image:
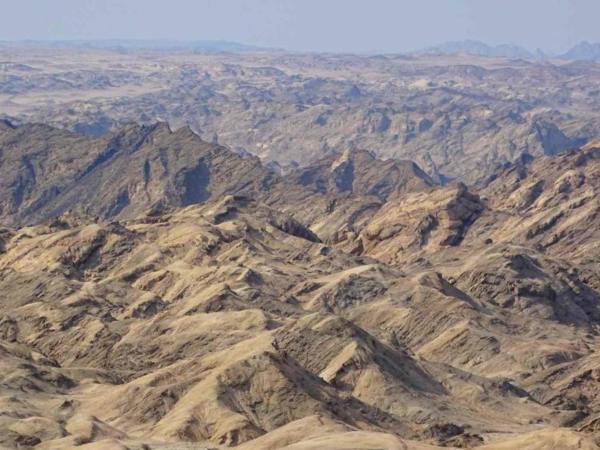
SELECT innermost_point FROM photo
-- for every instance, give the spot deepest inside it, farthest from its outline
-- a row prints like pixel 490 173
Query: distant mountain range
pixel 583 51
pixel 140 44
pixel 478 48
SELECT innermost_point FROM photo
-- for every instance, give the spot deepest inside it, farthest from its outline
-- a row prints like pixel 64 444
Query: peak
pixel 161 126
pixel 185 130
pixel 360 172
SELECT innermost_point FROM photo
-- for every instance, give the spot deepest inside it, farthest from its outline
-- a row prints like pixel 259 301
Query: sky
pixel 309 25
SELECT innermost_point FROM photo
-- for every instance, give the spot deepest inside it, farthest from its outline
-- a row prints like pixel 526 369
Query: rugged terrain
pixel 457 116
pixel 161 292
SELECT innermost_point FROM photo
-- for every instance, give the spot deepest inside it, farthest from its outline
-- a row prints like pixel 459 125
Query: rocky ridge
pixel 355 302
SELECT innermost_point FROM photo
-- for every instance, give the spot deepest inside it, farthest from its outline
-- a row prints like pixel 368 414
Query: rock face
pixel 46 172
pixel 353 303
pixel 361 173
pixel 550 203
pixel 421 222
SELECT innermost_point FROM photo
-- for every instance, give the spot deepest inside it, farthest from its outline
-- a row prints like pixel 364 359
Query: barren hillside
pixel 161 292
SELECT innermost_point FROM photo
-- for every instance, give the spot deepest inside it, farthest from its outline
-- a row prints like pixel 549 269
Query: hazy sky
pixel 323 25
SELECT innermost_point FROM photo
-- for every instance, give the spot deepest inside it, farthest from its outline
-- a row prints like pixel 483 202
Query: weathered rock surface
pixel 47 172
pixel 362 308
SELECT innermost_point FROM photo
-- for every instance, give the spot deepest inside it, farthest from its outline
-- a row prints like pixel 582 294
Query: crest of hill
pixel 360 172
pixel 46 171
